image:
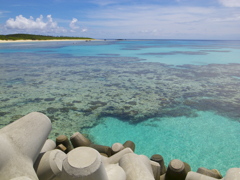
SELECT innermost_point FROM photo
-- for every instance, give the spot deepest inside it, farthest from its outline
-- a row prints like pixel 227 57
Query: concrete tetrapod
pixel 159 159
pixel 114 159
pixel 62 148
pixel 135 168
pixel 147 162
pixel 197 176
pixel 62 139
pixel 21 143
pixel 77 140
pixel 83 163
pixel 232 174
pixel 102 149
pixel 116 147
pixel 49 166
pixel 156 168
pixel 21 178
pixel 212 173
pixel 177 170
pixel 115 172
pixel 48 145
pixel 129 144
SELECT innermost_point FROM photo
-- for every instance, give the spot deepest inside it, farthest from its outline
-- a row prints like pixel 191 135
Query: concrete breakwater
pixel 28 154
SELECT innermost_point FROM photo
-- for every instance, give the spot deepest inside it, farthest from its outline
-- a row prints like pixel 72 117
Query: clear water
pixel 178 98
pixel 172 52
pixel 208 140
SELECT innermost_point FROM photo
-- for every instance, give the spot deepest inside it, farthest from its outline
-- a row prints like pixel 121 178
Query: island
pixel 33 37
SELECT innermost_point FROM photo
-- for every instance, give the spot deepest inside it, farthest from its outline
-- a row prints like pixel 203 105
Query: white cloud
pixel 154 21
pixel 2 13
pixel 73 24
pixel 75 28
pixel 230 3
pixel 32 25
pixel 148 16
pixel 105 2
pixel 84 30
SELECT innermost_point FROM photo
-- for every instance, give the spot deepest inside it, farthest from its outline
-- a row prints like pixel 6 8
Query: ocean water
pixel 177 98
pixel 208 140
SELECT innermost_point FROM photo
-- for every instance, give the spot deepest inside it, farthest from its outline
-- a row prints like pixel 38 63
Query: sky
pixel 127 19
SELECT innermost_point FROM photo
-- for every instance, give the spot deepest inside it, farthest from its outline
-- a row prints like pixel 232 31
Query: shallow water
pixel 208 140
pixel 176 98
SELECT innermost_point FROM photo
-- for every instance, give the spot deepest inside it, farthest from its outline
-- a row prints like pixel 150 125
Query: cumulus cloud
pixel 31 24
pixel 230 3
pixel 74 27
pixel 73 24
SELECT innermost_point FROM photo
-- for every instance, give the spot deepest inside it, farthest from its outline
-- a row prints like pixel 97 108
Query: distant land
pixel 16 37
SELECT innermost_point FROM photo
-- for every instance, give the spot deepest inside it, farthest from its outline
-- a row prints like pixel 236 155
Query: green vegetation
pixel 39 37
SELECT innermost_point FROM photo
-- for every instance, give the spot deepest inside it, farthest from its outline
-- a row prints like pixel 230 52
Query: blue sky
pixel 135 19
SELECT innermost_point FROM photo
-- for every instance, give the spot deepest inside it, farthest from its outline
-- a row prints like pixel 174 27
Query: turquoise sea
pixel 177 98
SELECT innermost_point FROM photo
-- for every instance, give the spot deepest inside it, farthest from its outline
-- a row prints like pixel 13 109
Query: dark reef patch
pixel 16 81
pixel 216 51
pixel 35 100
pixel 223 108
pixel 52 110
pixel 98 103
pixel 132 103
pixel 177 53
pixel 33 75
pixel 49 99
pixel 67 109
pixel 108 54
pixel 76 101
pixel 4 100
pixel 4 113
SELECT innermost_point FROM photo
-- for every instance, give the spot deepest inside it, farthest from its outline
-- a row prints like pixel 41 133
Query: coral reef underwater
pixel 75 93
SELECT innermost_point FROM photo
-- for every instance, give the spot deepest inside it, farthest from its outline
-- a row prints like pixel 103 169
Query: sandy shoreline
pixel 12 41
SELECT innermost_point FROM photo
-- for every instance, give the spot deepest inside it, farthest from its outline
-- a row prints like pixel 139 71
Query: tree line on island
pixel 39 37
